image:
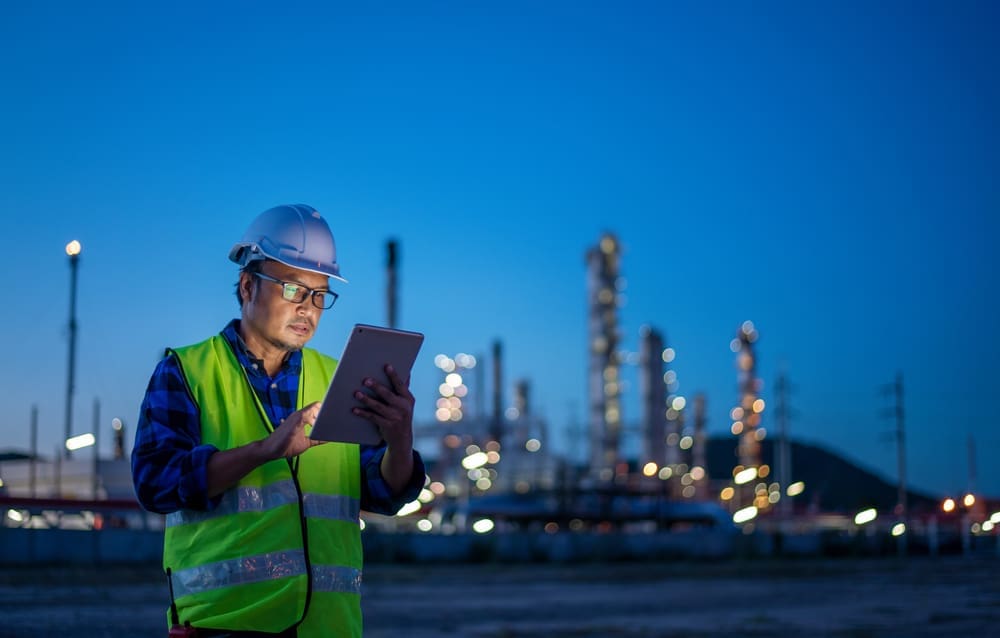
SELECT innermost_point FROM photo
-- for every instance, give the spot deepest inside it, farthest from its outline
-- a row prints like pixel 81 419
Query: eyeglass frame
pixel 310 293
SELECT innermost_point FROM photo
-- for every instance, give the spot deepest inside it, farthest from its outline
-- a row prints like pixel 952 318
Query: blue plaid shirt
pixel 169 461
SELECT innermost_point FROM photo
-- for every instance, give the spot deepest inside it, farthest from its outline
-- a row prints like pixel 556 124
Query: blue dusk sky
pixel 827 170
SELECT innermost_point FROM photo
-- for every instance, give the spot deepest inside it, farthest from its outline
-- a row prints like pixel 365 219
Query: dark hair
pixel 252 267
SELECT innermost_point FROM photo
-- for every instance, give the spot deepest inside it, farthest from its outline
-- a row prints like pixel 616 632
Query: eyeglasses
pixel 297 293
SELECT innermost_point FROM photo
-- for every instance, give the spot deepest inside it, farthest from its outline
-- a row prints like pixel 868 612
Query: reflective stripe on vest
pixel 261 499
pixel 255 569
pixel 245 566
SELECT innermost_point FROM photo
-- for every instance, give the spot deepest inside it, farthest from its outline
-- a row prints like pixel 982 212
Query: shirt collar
pixel 231 332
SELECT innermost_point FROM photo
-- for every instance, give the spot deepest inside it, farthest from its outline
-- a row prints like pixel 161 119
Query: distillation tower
pixel 603 379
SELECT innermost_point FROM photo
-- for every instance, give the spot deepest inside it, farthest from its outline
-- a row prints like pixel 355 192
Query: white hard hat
pixel 294 234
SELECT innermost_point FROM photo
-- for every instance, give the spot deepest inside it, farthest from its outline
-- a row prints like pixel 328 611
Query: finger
pixel 389 396
pixel 402 388
pixel 377 405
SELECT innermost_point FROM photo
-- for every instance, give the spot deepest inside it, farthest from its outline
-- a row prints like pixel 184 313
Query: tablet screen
pixel 368 350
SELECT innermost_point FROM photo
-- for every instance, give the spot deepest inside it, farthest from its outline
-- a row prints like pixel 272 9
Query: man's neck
pixel 272 356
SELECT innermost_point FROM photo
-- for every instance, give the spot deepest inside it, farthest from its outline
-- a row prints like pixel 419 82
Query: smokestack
pixel 522 393
pixel 496 427
pixel 391 258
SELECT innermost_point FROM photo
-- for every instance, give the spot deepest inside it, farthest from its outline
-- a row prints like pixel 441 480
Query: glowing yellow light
pixel 697 472
pixel 532 445
pixel 759 434
pixel 437 487
pixel 493 457
pixel 454 379
pixel 747 327
pixel 763 470
pixel 482 526
pixel 81 441
pixel 650 469
pixel 474 460
pixel 773 497
pixel 686 479
pixel 678 403
pixel 745 514
pixel 73 248
pixel 15 516
pixel 988 526
pixel 737 469
pixel 668 355
pixel 727 493
pixel 424 525
pixel 686 442
pixel 461 390
pixel 409 508
pixel 483 483
pixel 969 500
pixel 551 527
pixel 745 476
pixel 665 473
pixel 735 345
pixel 362 524
pixel 737 428
pixel 948 505
pixel 688 492
pixel 899 529
pixel 456 415
pixel 758 406
pixel 736 414
pixel 426 496
pixel 865 516
pixel 995 518
pixel 446 390
pixel 795 488
pixel 607 244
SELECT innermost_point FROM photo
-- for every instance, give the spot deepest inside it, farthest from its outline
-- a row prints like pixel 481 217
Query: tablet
pixel 368 350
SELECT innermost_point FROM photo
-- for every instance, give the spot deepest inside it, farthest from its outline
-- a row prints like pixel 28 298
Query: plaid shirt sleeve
pixel 376 496
pixel 168 460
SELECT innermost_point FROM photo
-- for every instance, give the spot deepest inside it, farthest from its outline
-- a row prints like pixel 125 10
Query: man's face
pixel 270 318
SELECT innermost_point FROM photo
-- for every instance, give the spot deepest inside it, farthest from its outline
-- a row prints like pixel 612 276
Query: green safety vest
pixel 284 545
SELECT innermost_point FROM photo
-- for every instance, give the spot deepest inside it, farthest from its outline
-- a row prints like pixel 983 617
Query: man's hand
pixel 289 439
pixel 390 409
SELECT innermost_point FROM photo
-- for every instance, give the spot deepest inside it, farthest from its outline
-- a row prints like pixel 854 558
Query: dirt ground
pixel 815 597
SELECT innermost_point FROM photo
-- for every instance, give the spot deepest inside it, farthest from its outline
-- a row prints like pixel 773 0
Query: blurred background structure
pixel 580 205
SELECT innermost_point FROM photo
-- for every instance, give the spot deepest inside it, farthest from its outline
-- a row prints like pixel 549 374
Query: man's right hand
pixel 289 439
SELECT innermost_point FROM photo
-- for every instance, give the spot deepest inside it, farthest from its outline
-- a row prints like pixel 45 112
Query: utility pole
pixel 900 448
pixel 896 389
pixel 73 251
pixel 784 445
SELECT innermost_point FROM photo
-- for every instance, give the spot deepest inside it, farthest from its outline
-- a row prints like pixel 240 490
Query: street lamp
pixel 73 250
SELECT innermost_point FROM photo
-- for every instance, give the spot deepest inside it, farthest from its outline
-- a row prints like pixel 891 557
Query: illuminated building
pixel 603 379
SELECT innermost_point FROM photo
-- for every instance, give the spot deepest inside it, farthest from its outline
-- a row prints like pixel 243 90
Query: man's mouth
pixel 300 328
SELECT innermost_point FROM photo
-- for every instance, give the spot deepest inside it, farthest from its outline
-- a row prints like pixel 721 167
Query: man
pixel 262 529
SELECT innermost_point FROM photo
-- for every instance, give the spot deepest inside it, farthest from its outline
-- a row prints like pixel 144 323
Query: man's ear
pixel 246 286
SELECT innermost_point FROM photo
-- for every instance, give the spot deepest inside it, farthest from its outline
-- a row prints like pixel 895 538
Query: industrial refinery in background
pixel 492 467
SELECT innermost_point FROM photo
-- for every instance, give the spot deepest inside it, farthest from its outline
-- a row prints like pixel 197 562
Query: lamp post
pixel 73 250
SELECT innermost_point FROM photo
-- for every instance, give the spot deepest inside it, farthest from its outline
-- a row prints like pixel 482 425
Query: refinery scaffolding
pixel 603 378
